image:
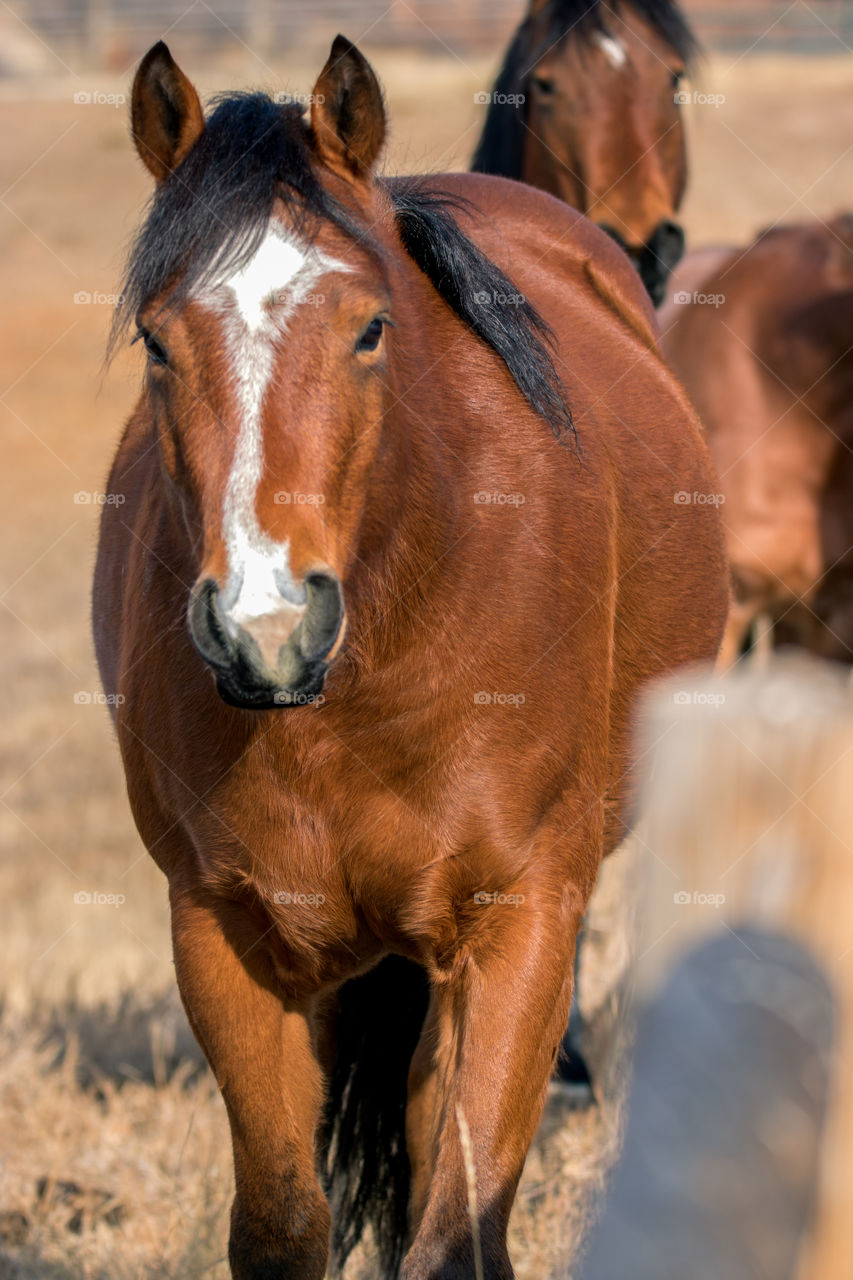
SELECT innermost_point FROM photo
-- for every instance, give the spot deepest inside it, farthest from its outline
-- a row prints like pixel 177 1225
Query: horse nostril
pixel 324 615
pixel 206 625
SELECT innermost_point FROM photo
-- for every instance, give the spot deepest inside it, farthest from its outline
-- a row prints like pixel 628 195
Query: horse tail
pixel 364 1158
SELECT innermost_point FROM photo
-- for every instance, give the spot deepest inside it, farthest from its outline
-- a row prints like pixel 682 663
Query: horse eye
pixel 676 78
pixel 369 340
pixel 544 86
pixel 157 353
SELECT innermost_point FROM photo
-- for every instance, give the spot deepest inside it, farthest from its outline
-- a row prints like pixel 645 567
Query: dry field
pixel 100 1083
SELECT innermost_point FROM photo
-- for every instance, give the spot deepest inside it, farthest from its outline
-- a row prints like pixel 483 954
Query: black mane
pixel 212 213
pixel 501 146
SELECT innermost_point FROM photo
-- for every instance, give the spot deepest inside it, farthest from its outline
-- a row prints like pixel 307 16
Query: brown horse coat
pixel 763 340
pixel 450 796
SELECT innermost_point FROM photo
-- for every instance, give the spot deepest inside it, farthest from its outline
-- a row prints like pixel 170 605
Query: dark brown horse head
pixel 587 107
pixel 261 287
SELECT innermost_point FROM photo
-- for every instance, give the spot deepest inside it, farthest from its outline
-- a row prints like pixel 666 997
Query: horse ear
pixel 166 116
pixel 347 111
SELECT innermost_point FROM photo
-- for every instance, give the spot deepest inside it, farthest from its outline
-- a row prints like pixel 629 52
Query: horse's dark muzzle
pixel 244 678
pixel 656 260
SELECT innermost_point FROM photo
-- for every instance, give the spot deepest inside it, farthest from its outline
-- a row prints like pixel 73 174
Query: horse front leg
pixel 499 1014
pixel 261 1052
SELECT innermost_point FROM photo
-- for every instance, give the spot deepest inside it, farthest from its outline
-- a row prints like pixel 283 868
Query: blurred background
pixel 114 1156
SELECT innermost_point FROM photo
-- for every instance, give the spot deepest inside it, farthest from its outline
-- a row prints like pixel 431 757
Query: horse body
pixel 761 338
pixel 449 797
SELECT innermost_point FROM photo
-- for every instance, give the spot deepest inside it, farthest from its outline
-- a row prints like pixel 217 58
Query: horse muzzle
pixel 278 658
pixel 657 258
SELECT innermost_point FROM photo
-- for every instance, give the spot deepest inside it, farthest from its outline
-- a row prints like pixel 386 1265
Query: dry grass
pixel 160 1151
pixel 94 1053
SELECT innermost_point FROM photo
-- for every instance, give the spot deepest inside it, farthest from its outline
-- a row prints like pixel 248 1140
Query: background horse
pixel 763 340
pixel 587 106
pixel 377 625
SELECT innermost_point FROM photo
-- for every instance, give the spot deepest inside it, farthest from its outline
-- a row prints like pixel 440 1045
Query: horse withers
pixel 587 106
pixel 398 548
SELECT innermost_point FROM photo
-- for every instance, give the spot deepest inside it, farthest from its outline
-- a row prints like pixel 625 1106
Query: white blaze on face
pixel 255 303
pixel 614 50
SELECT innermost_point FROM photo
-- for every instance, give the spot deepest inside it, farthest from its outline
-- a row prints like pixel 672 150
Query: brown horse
pixel 763 340
pixel 378 623
pixel 587 106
